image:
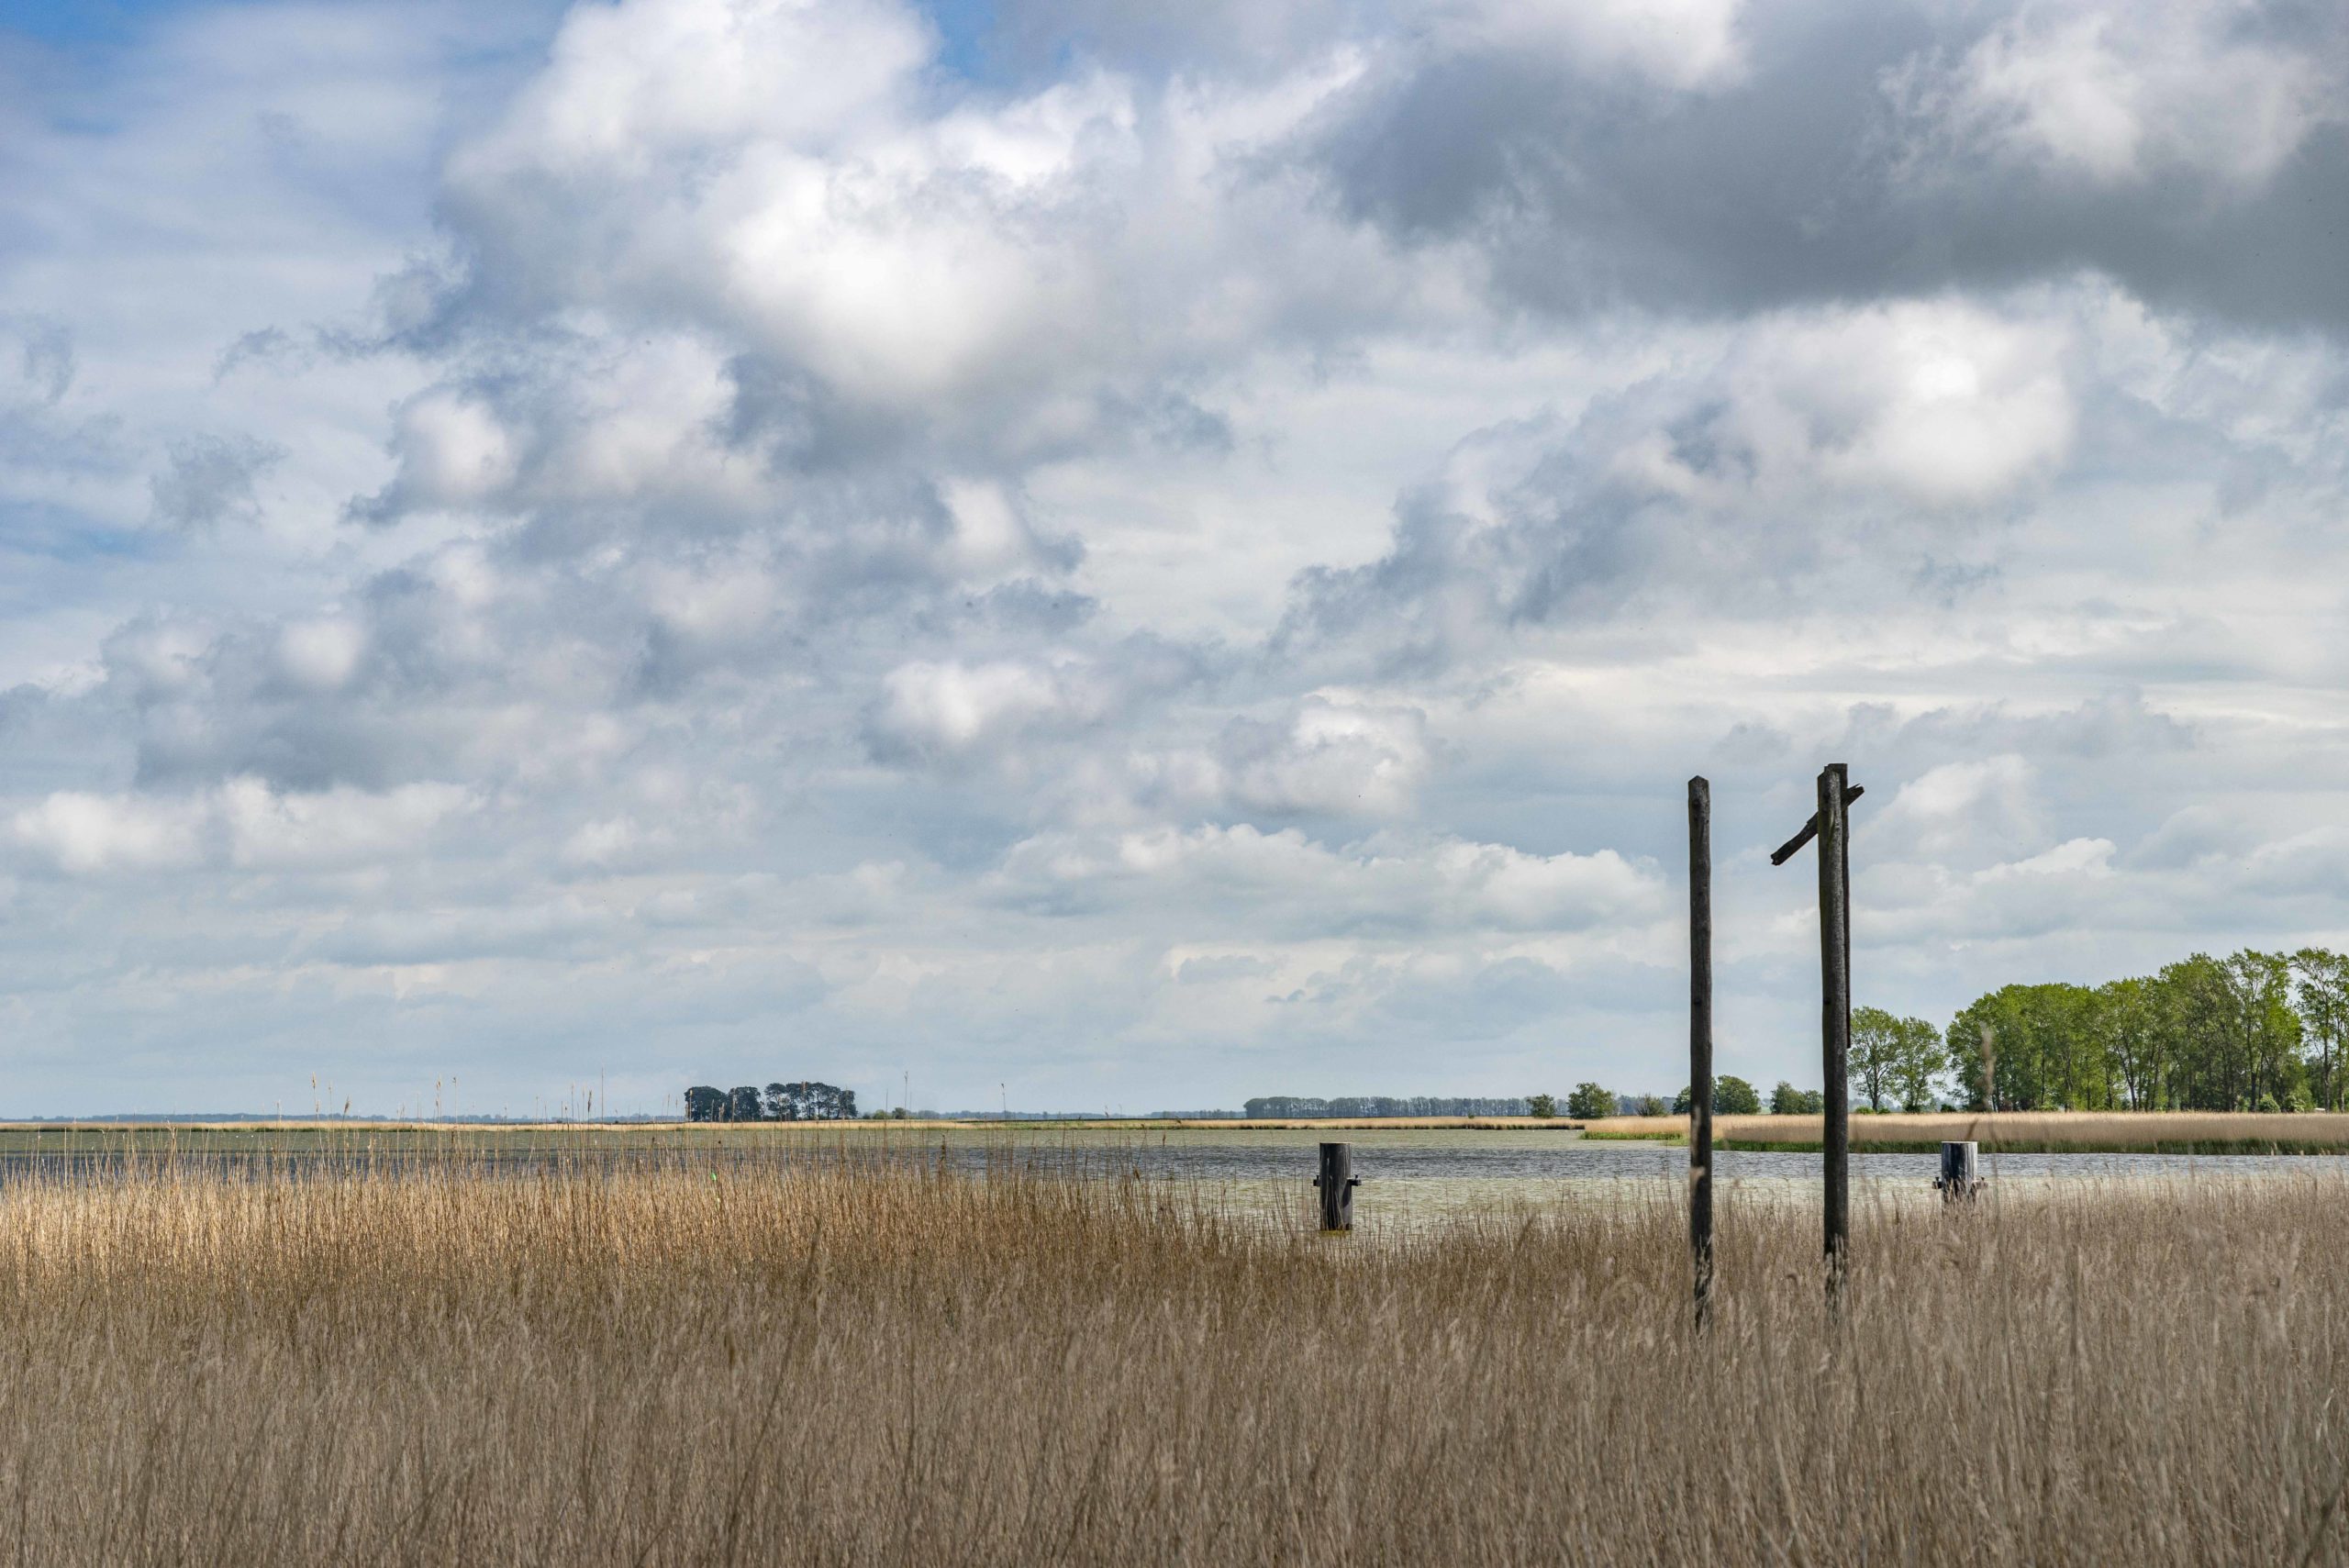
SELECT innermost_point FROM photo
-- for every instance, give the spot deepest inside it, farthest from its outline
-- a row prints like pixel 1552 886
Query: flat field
pixel 864 1364
pixel 2079 1132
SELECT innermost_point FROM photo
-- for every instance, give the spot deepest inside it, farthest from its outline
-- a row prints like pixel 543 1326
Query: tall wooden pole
pixel 1835 1007
pixel 1700 1041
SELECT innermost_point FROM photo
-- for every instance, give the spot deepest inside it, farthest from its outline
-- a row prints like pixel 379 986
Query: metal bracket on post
pixel 1337 1183
pixel 1961 1176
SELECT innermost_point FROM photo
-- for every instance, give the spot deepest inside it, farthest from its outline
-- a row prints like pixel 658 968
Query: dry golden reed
pixel 865 1365
pixel 2217 1131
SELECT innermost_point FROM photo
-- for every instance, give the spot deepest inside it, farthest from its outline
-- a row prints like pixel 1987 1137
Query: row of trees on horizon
pixel 2264 1031
pixel 806 1101
pixel 2256 1031
pixel 1273 1107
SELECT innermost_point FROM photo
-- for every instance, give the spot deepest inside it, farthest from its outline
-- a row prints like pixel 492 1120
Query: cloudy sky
pixel 1125 555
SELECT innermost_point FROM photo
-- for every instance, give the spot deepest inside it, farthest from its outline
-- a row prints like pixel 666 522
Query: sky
pixel 1094 555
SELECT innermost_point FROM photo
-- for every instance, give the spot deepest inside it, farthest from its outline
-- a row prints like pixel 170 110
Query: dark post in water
pixel 1961 1176
pixel 1337 1182
pixel 1700 1041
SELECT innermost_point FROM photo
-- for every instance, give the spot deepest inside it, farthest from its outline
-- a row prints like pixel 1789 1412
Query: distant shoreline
pixel 858 1124
pixel 2081 1132
pixel 2013 1133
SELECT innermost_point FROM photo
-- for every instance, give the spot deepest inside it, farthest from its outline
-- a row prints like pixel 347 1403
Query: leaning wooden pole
pixel 1700 1042
pixel 1836 1009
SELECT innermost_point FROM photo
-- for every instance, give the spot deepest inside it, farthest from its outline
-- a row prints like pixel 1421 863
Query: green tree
pixel 1977 1037
pixel 1653 1105
pixel 2251 1030
pixel 1788 1100
pixel 2128 1019
pixel 809 1101
pixel 2190 1010
pixel 1590 1102
pixel 2265 1031
pixel 2222 1032
pixel 1876 1057
pixel 2229 1031
pixel 2050 1053
pixel 1919 1057
pixel 1543 1105
pixel 1731 1096
pixel 2321 982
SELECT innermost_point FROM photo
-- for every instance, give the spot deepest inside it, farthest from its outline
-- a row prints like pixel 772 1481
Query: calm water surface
pixel 1408 1155
pixel 1497 1165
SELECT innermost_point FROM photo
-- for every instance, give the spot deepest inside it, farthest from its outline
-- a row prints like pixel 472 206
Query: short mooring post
pixel 1337 1182
pixel 1700 1042
pixel 1831 824
pixel 1960 1177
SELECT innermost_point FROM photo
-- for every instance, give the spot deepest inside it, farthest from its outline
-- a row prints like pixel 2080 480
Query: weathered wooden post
pixel 1961 1176
pixel 1700 1042
pixel 1835 1007
pixel 1831 824
pixel 1337 1182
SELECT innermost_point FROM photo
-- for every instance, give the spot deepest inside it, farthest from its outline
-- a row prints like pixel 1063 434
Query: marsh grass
pixel 869 1362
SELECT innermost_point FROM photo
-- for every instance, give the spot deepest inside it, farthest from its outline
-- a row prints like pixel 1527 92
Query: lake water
pixel 1414 1177
pixel 1404 1165
pixel 1417 1154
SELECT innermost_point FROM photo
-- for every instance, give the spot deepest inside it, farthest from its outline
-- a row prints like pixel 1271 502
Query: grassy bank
pixel 858 1365
pixel 2017 1133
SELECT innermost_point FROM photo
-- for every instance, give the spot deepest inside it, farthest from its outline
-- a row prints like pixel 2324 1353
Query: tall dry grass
pixel 872 1365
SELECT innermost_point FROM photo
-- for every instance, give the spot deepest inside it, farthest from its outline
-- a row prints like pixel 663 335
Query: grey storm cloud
pixel 1863 149
pixel 1117 551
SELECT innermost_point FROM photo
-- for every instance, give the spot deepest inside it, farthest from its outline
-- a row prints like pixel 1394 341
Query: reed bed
pixel 2083 1132
pixel 859 1362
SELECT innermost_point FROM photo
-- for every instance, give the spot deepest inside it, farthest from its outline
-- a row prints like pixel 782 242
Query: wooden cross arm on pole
pixel 1787 850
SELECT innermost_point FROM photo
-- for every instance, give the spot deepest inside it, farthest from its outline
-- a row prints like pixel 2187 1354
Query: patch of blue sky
pixel 67 24
pixel 39 531
pixel 965 29
pixel 969 47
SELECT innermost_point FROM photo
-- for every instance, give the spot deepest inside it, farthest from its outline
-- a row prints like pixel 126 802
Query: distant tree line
pixel 2266 1031
pixel 2255 1031
pixel 1365 1105
pixel 780 1102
